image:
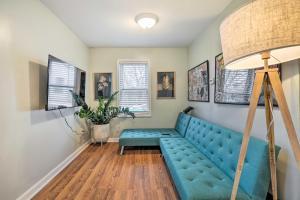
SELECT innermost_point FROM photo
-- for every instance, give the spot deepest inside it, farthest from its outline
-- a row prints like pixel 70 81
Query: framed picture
pixel 103 85
pixel 234 86
pixel 198 83
pixel 166 85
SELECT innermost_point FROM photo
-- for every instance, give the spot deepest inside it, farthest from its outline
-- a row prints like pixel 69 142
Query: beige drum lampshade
pixel 260 26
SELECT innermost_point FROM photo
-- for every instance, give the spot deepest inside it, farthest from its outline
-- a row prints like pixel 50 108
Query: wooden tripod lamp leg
pixel 278 91
pixel 271 138
pixel 259 78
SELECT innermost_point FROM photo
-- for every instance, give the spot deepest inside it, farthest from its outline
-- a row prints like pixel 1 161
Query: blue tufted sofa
pixel 202 157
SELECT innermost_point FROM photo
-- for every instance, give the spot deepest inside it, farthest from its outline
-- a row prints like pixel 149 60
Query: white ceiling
pixel 110 23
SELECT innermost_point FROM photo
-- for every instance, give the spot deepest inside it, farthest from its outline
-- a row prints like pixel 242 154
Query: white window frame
pixel 122 61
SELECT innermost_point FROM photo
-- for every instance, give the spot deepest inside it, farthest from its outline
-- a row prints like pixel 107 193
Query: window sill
pixel 137 115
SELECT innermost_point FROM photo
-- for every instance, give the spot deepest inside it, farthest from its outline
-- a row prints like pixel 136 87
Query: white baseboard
pixel 113 140
pixel 46 179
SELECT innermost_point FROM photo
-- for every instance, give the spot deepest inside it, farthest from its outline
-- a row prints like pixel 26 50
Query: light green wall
pixel 32 141
pixel 207 46
pixel 164 112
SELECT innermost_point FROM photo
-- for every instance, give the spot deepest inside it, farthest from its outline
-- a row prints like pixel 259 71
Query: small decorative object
pixel 165 85
pixel 267 34
pixel 188 109
pixel 100 117
pixel 198 83
pixel 103 85
pixel 235 86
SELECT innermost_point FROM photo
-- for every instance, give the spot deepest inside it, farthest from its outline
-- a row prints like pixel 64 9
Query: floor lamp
pixel 260 34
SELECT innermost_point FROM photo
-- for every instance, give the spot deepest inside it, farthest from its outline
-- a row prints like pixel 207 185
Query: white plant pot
pixel 100 133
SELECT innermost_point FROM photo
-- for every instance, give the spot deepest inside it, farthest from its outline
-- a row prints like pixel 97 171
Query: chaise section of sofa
pixel 146 137
pixel 150 137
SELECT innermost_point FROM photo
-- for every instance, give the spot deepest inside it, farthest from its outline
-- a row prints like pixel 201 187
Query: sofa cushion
pixel 145 137
pixel 182 123
pixel 222 147
pixel 194 175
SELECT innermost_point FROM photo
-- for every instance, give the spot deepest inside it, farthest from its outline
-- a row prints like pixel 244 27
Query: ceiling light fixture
pixel 146 20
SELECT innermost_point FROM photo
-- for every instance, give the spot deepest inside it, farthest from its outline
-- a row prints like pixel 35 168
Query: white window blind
pixel 61 80
pixel 134 87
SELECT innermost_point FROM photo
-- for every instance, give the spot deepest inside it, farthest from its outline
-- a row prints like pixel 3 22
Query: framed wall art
pixel 234 86
pixel 166 85
pixel 103 85
pixel 198 83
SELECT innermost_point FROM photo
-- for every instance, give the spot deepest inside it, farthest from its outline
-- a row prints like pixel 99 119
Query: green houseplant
pixel 99 118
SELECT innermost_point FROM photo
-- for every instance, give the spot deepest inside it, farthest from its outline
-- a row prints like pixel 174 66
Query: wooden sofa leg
pixel 122 150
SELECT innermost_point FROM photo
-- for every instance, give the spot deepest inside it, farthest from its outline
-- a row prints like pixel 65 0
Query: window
pixel 134 87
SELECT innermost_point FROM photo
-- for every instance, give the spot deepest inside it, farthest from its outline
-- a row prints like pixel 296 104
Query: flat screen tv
pixel 63 77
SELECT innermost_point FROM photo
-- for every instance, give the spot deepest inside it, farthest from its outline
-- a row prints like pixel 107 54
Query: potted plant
pixel 99 118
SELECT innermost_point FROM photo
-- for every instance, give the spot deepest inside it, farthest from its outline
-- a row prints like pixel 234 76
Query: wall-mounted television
pixel 63 77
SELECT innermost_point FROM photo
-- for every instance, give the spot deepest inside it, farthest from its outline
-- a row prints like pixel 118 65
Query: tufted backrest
pixel 222 147
pixel 182 123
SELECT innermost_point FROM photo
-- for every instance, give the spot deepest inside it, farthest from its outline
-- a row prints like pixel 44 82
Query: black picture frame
pixel 202 89
pixel 250 79
pixel 105 84
pixel 246 102
pixel 169 93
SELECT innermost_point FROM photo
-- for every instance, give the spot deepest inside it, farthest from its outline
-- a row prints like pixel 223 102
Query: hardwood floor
pixel 101 173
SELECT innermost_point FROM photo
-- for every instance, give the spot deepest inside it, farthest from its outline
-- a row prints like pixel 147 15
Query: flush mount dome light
pixel 146 20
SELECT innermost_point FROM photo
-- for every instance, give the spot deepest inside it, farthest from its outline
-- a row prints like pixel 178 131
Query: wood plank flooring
pixel 101 173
